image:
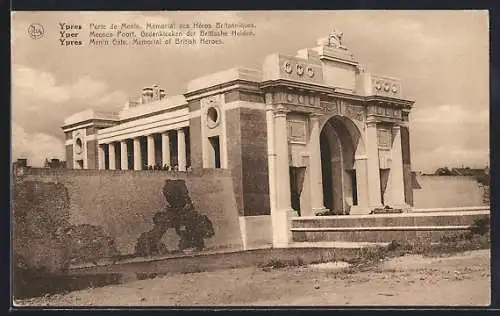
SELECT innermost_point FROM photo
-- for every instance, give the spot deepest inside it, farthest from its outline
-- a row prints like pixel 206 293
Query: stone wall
pixel 119 205
pixel 92 155
pixel 69 156
pixel 447 191
pixel 234 154
pixel 196 151
pixel 254 162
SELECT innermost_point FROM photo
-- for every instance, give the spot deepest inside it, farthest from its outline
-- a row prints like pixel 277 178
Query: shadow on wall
pixel 180 214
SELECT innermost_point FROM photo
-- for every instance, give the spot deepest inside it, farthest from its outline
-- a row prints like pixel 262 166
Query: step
pixel 336 244
pixel 419 219
pixel 379 228
pixel 375 234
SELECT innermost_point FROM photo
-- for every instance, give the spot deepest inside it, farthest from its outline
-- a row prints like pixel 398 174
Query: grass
pixel 476 238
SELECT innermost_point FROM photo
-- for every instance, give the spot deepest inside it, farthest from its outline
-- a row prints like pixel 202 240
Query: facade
pixel 304 134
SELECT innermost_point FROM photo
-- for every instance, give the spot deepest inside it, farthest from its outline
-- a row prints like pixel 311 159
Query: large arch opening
pixel 339 141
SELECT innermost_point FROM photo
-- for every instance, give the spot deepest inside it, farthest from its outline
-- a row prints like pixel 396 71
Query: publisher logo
pixel 35 30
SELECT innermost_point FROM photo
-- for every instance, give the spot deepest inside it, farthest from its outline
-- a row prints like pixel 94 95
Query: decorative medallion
pixel 300 69
pixel 378 85
pixel 387 87
pixel 394 88
pixel 301 99
pixel 287 66
pixel 310 72
pixel 289 97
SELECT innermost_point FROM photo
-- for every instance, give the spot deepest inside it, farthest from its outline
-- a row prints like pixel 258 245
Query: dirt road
pixel 460 280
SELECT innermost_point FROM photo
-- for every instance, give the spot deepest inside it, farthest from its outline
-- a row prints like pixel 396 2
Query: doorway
pixel 338 146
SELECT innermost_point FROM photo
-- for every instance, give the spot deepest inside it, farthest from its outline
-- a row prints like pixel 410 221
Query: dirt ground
pixel 459 280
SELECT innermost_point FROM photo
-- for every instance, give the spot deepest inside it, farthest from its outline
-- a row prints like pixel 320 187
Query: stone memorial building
pixel 302 135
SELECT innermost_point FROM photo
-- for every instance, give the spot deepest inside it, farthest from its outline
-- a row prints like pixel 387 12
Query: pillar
pixel 271 157
pixel 101 156
pixel 181 149
pixel 123 155
pixel 396 175
pixel 165 149
pixel 315 174
pixel 112 156
pixel 281 217
pixel 361 162
pixel 137 154
pixel 373 172
pixel 151 150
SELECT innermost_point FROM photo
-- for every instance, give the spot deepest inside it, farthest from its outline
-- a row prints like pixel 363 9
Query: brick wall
pixel 196 151
pixel 92 155
pixel 123 202
pixel 69 156
pixel 254 162
pixel 234 155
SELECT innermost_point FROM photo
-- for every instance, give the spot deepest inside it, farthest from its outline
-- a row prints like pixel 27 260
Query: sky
pixel 441 57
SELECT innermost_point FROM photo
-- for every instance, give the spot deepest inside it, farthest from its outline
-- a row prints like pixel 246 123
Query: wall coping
pixel 410 214
pixel 96 172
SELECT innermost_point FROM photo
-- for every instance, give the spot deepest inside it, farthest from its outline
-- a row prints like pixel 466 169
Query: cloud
pixel 36 146
pixel 42 86
pixel 451 155
pixel 448 114
pixel 41 103
pixel 449 135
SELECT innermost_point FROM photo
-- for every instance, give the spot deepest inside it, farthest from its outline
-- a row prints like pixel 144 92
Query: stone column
pixel 373 172
pixel 396 179
pixel 101 156
pixel 112 156
pixel 361 163
pixel 123 155
pixel 281 218
pixel 181 149
pixel 315 174
pixel 137 154
pixel 271 157
pixel 165 149
pixel 151 150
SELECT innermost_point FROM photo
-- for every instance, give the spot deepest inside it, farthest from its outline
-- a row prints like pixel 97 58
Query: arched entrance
pixel 339 140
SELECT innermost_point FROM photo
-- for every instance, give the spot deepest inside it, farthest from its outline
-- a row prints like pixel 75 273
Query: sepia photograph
pixel 250 159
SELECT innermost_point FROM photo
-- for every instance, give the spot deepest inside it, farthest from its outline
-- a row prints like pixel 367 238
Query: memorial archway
pixel 340 141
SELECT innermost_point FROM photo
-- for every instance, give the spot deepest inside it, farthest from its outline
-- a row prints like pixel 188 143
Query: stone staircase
pixel 428 224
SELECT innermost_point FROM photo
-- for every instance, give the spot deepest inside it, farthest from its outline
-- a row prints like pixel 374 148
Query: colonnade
pixel 135 159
